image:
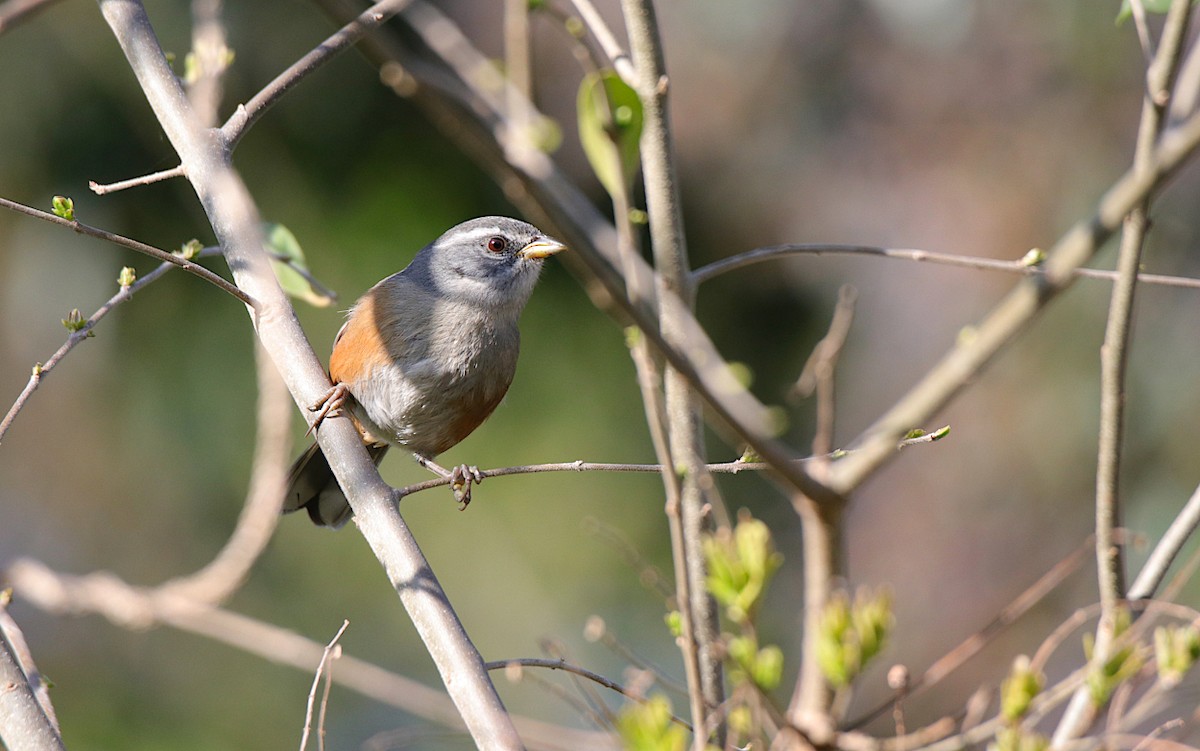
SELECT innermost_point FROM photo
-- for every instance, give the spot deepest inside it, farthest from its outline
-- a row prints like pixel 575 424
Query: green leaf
pixel 287 258
pixel 610 128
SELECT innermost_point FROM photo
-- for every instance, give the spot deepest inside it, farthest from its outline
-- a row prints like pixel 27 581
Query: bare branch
pixel 779 252
pixel 134 182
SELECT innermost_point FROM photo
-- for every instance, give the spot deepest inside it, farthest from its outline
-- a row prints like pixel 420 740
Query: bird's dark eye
pixel 497 244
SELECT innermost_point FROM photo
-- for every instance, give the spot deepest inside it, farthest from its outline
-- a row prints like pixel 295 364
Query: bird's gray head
pixel 492 261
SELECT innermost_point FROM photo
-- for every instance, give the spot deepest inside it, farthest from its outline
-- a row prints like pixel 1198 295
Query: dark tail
pixel 312 487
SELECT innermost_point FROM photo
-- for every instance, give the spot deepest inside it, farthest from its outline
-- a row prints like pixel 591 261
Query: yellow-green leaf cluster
pixel 850 634
pixel 1019 689
pixel 647 726
pixel 740 565
pixel 762 667
pixel 1121 663
pixel 1176 649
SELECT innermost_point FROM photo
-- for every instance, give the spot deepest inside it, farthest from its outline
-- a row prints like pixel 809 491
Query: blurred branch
pixel 209 60
pixel 234 218
pixel 131 607
pixel 256 524
pixel 14 12
pixel 126 242
pixel 779 252
pixel 27 720
pixel 594 23
pixel 1110 562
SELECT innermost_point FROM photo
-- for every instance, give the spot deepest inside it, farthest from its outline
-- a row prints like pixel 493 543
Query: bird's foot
pixel 329 405
pixel 461 478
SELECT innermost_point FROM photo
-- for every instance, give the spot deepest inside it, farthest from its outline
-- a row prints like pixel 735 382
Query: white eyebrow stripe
pixel 478 233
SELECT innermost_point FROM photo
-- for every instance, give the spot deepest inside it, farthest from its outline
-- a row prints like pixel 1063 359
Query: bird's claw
pixel 461 479
pixel 329 405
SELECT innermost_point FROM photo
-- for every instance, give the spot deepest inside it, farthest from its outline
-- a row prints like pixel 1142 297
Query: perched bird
pixel 427 354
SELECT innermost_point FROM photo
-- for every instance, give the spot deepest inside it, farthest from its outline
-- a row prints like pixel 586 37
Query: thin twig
pixel 126 242
pixel 326 657
pixel 726 468
pixel 134 182
pixel 1022 267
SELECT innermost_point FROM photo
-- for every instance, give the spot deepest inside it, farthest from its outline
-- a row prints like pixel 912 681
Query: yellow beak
pixel 541 248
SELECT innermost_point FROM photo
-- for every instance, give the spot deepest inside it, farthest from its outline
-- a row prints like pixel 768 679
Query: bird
pixel 426 355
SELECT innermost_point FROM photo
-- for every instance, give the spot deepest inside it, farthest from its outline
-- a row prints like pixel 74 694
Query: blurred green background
pixel 976 128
